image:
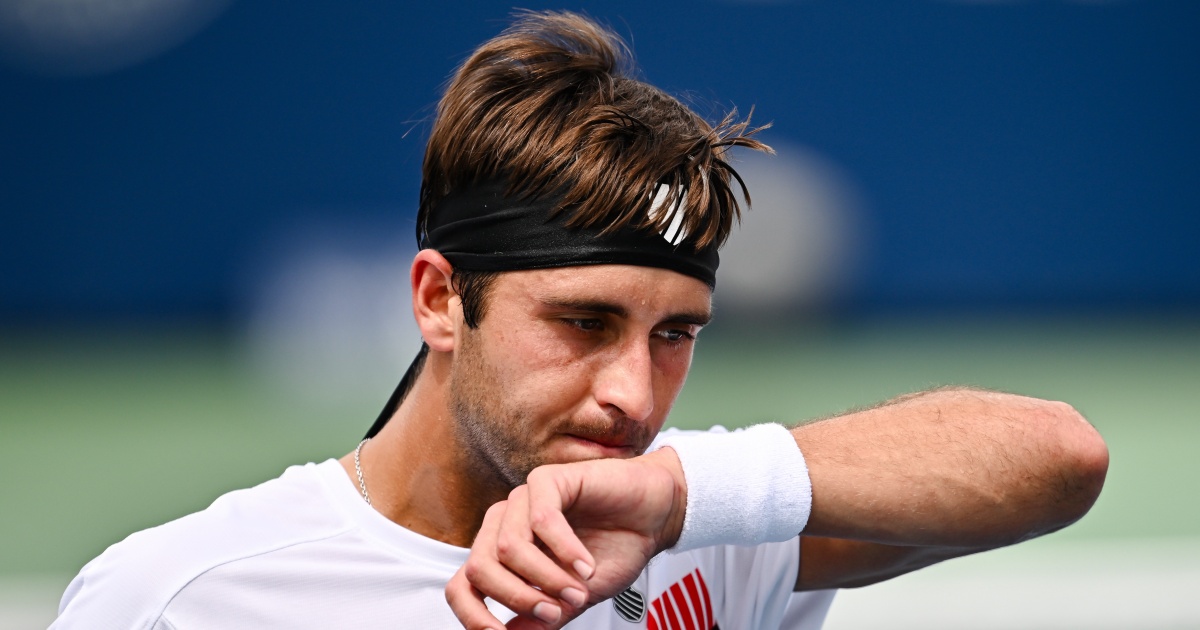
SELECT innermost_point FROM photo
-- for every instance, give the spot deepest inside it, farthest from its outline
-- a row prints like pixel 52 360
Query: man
pixel 570 219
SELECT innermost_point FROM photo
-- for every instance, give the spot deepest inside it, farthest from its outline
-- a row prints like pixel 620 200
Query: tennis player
pixel 570 219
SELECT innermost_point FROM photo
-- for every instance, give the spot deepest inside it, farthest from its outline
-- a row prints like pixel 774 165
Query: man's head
pixel 552 110
pixel 554 181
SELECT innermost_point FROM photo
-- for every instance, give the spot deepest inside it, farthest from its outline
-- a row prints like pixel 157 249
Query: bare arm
pixel 941 474
pixel 952 467
pixel 924 478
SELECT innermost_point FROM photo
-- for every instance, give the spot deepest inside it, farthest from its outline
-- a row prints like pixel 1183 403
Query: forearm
pixel 840 563
pixel 894 488
pixel 963 468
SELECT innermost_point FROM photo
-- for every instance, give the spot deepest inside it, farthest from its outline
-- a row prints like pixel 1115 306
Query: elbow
pixel 1081 462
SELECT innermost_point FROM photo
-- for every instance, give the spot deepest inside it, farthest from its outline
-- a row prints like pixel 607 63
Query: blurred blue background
pixel 1006 154
pixel 208 215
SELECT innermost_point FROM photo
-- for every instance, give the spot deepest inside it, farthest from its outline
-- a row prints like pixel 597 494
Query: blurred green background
pixel 105 433
pixel 999 194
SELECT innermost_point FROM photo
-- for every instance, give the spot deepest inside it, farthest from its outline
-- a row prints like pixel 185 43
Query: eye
pixel 676 335
pixel 585 324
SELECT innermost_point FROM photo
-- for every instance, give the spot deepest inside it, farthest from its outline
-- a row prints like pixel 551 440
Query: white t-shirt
pixel 305 551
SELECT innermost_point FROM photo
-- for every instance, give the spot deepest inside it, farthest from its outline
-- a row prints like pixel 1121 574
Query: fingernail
pixel 547 612
pixel 574 596
pixel 583 569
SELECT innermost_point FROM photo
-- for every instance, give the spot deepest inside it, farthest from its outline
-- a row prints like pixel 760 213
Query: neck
pixel 416 472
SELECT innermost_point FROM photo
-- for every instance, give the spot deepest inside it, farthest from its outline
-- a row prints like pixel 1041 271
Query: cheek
pixel 536 368
pixel 671 370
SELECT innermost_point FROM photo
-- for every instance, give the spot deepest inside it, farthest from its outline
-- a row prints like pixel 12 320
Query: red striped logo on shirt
pixel 684 606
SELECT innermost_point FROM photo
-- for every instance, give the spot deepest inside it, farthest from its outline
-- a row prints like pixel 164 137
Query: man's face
pixel 573 363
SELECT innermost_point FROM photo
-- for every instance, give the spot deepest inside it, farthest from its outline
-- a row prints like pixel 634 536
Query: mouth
pixel 604 446
pixel 620 437
pixel 607 443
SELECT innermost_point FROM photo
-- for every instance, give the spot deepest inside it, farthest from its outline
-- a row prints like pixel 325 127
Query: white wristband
pixel 747 487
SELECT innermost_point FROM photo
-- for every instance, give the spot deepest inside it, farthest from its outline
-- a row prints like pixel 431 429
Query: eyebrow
pixel 696 318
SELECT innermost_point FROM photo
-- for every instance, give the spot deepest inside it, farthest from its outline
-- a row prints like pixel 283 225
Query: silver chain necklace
pixel 362 483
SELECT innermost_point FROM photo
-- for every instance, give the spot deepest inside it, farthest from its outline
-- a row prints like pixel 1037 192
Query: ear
pixel 436 305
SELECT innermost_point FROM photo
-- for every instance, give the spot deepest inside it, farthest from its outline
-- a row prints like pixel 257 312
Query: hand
pixel 573 536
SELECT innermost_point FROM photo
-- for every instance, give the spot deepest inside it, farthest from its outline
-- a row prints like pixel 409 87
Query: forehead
pixel 647 291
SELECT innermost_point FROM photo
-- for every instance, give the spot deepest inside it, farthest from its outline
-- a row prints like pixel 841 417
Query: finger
pixel 525 623
pixel 521 622
pixel 550 488
pixel 468 605
pixel 516 549
pixel 484 572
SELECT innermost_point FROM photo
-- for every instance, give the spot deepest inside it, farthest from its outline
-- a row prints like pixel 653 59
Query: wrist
pixel 672 526
pixel 747 487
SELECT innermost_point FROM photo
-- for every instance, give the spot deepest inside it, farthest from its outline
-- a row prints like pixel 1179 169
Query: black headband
pixel 483 229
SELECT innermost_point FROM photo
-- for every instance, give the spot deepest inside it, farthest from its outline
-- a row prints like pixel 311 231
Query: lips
pixel 587 448
pixel 621 434
pixel 607 442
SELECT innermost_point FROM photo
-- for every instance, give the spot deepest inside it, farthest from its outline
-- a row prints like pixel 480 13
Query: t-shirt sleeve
pixel 103 595
pixel 807 610
pixel 755 583
pixel 754 588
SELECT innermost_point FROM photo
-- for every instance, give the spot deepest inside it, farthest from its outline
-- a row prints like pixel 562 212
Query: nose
pixel 626 382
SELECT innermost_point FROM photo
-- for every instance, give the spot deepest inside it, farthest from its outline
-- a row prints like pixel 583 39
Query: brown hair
pixel 549 105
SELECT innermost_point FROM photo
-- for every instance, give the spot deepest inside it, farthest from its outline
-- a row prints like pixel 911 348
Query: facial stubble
pixel 501 440
pixel 487 431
